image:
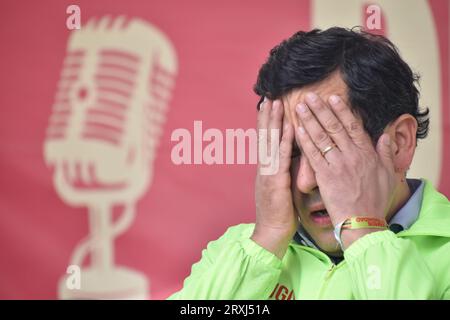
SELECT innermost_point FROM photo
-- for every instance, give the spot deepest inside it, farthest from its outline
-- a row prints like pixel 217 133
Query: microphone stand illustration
pixel 110 106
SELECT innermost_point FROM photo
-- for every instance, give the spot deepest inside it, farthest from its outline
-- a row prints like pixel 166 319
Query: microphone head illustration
pixel 107 119
pixel 109 109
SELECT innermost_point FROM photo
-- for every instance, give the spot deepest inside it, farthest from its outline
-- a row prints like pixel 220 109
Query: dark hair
pixel 381 86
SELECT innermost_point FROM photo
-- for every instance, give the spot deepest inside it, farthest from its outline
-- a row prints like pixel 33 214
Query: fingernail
pixel 301 108
pixel 275 105
pixel 301 130
pixel 261 105
pixel 286 126
pixel 334 99
pixel 311 97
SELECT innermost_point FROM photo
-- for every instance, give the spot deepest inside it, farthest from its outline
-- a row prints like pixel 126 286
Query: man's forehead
pixel 325 88
pixel 333 84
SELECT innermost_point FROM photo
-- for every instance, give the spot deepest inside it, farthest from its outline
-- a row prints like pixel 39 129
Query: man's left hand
pixel 354 178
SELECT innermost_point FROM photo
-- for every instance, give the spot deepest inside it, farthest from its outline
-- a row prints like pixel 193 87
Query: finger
pixel 317 134
pixel 264 114
pixel 309 149
pixel 275 121
pixel 384 151
pixel 262 125
pixel 353 125
pixel 287 140
pixel 328 121
pixel 270 124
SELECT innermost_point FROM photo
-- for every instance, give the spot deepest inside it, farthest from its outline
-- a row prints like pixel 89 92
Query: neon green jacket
pixel 413 264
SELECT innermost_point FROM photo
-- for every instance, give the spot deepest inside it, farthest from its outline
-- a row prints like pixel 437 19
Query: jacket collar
pixel 434 216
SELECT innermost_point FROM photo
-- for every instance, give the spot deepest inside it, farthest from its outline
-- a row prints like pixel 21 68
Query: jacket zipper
pixel 328 274
pixel 330 271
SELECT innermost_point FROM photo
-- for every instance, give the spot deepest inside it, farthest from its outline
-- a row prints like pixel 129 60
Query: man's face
pixel 306 194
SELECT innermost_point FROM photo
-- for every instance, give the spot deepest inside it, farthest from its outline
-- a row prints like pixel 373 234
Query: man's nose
pixel 306 179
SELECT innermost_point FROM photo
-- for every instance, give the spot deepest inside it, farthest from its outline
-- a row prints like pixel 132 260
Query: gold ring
pixel 324 151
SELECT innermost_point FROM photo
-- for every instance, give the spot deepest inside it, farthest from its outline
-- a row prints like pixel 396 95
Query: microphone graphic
pixel 110 106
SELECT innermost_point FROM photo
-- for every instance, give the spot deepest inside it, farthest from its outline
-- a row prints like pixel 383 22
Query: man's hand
pixel 276 220
pixel 353 177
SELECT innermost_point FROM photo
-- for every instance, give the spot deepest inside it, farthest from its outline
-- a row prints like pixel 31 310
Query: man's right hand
pixel 276 219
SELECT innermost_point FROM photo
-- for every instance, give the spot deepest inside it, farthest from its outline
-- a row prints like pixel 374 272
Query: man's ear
pixel 403 136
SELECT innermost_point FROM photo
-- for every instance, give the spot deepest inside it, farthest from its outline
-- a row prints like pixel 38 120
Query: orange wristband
pixel 364 223
pixel 358 223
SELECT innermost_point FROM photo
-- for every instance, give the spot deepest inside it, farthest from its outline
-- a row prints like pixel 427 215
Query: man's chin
pixel 326 242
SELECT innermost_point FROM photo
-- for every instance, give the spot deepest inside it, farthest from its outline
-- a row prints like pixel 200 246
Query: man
pixel 339 219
